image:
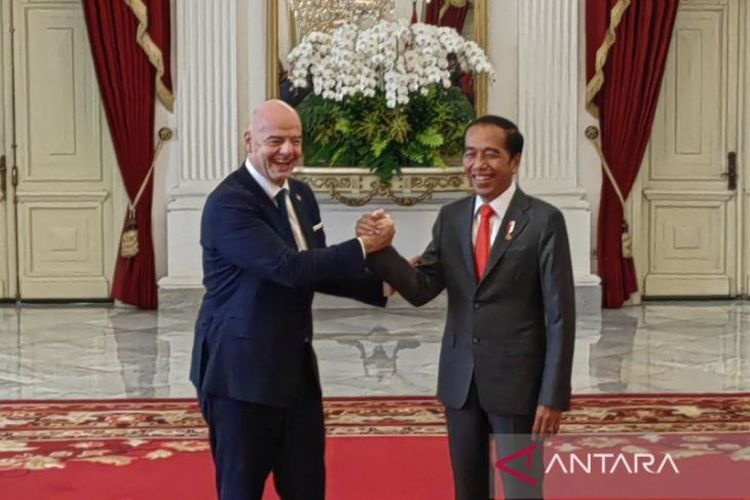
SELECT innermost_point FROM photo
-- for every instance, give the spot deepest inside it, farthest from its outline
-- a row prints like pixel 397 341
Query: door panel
pixel 63 123
pixel 688 210
pixel 688 235
pixel 687 136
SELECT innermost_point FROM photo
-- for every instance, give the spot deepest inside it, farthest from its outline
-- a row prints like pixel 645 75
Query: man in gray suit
pixel 507 349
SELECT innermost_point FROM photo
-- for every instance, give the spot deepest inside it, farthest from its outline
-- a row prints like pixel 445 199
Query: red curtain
pixel 626 103
pixel 453 16
pixel 127 86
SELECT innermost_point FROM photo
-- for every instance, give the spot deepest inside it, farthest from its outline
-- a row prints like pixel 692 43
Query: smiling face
pixel 274 141
pixel 487 163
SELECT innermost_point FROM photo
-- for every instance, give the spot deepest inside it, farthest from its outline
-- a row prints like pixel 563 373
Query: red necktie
pixel 482 243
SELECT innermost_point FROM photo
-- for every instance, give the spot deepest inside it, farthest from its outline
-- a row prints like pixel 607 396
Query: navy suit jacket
pixel 256 313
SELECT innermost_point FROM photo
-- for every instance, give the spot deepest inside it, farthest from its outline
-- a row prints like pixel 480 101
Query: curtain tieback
pixel 592 133
pixel 129 239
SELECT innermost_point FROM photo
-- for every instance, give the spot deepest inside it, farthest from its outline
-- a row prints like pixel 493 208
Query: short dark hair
pixel 513 138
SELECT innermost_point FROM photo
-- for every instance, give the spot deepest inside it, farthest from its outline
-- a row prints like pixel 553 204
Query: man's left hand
pixel 547 421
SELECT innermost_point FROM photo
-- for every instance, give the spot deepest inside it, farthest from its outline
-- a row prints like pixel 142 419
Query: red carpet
pixel 385 448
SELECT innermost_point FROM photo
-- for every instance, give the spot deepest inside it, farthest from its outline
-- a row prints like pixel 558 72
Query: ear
pixel 248 142
pixel 515 162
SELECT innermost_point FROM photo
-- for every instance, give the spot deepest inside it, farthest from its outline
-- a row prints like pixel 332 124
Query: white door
pixel 68 199
pixel 689 221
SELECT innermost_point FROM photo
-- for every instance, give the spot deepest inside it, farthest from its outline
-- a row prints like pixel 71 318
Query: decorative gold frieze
pixel 356 187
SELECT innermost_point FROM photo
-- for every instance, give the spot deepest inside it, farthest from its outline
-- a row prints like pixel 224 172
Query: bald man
pixel 253 365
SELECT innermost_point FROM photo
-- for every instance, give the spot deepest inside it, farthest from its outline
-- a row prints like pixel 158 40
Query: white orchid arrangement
pixel 392 56
pixel 383 97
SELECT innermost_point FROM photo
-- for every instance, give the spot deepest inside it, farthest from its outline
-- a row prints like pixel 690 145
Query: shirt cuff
pixel 362 244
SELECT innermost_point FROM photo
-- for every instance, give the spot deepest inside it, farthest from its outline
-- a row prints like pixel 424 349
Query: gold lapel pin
pixel 509 230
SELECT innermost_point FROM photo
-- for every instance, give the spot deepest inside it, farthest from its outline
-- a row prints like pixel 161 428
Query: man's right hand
pixel 376 230
pixel 367 225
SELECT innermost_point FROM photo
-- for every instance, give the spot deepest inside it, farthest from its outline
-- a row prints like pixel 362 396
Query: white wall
pixel 161 187
pixel 164 174
pixel 502 48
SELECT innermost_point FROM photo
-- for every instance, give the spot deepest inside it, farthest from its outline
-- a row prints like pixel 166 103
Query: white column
pixel 548 92
pixel 208 128
pixel 548 108
pixel 207 117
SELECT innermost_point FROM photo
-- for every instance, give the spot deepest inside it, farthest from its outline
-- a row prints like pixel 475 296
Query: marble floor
pixel 103 351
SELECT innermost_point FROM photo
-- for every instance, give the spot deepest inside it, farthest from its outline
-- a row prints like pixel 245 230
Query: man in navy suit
pixel 253 365
pixel 507 351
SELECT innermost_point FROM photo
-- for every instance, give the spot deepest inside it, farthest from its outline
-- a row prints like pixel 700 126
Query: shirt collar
pixel 501 203
pixel 269 187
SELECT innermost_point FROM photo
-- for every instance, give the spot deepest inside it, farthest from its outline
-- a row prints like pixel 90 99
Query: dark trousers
pixel 251 440
pixel 469 432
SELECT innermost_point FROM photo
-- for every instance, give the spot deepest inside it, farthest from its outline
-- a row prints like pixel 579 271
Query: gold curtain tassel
pixel 129 239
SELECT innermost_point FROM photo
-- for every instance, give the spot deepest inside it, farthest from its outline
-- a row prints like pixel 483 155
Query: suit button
pixel 477 305
pixel 475 340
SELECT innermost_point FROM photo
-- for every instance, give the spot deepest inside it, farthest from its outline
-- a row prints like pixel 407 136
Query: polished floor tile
pixel 79 352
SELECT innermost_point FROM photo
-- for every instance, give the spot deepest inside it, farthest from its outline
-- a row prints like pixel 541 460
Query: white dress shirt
pixel 500 206
pixel 272 190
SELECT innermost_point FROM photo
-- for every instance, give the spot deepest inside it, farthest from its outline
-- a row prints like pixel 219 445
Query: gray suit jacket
pixel 513 331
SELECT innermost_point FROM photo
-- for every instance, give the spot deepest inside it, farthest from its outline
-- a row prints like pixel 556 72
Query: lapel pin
pixel 509 230
pixel 299 198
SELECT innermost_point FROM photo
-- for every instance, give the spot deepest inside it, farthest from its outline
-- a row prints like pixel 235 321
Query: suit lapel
pixel 467 243
pixel 264 202
pixel 517 216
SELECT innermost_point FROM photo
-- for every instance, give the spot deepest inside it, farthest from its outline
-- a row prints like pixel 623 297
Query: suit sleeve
pixel 417 285
pixel 558 292
pixel 364 286
pixel 246 240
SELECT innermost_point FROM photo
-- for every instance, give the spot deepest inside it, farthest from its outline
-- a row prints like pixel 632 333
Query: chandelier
pixel 326 15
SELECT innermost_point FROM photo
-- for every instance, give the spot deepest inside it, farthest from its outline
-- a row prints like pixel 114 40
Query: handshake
pixel 376 230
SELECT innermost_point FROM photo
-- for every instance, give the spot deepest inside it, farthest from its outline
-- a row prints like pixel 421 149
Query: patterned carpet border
pixel 180 418
pixel 39 435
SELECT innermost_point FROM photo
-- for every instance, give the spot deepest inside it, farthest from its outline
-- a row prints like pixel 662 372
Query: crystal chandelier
pixel 326 15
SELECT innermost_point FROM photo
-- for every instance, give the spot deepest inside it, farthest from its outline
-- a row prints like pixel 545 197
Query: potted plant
pixel 383 98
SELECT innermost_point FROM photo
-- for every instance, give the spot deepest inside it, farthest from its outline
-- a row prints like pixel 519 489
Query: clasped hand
pixel 376 230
